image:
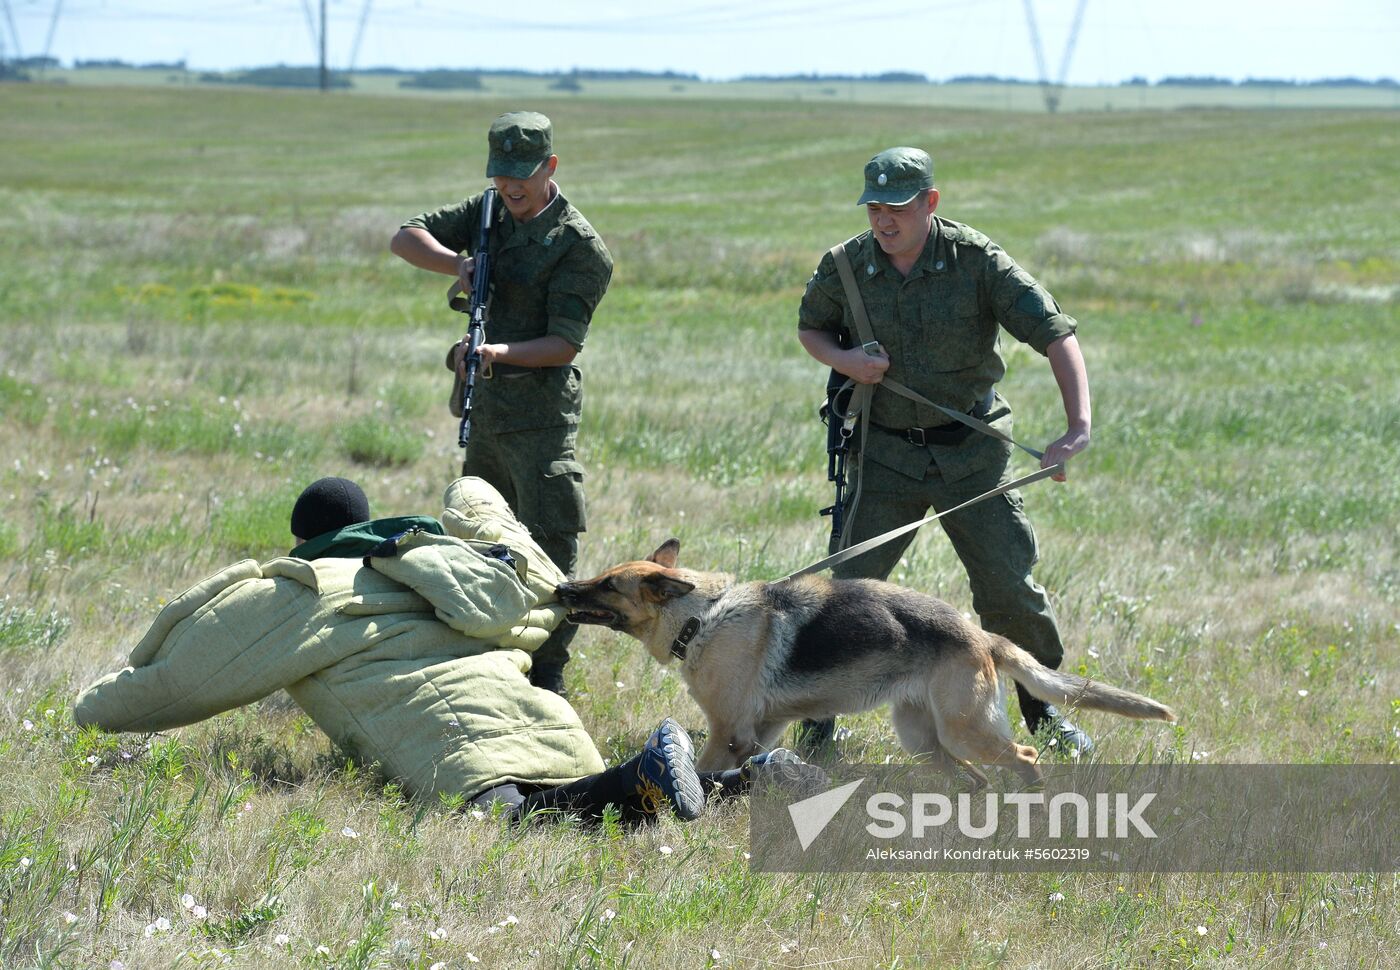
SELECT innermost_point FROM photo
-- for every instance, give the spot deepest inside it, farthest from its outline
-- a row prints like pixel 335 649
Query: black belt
pixel 952 433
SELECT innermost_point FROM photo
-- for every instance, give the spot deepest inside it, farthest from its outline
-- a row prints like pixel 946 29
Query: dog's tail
pixel 1071 690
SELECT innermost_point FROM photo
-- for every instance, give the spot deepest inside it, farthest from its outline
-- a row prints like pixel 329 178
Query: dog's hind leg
pixel 970 715
pixel 918 734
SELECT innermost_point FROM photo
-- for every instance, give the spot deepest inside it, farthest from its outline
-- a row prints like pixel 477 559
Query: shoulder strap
pixel 848 280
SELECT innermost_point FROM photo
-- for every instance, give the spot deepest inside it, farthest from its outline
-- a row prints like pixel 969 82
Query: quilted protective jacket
pixel 413 660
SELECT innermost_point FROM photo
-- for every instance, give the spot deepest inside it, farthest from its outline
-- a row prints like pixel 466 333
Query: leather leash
pixel 852 551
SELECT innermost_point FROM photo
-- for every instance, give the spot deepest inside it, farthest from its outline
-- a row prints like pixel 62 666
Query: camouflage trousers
pixel 993 538
pixel 540 478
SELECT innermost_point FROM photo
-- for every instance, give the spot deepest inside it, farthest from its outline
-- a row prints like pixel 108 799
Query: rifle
pixel 839 428
pixel 840 423
pixel 476 306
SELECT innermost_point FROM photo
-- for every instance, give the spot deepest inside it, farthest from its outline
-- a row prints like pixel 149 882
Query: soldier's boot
pixel 1062 737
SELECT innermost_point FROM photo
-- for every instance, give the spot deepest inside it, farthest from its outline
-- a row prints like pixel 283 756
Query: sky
pixel 724 39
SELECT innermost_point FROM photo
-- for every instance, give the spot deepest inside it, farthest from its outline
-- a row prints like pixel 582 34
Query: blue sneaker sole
pixel 679 779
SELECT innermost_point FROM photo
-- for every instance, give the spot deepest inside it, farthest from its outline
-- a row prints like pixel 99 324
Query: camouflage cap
pixel 519 142
pixel 896 175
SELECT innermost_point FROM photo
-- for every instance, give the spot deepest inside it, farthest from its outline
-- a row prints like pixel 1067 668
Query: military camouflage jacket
pixel 939 324
pixel 547 277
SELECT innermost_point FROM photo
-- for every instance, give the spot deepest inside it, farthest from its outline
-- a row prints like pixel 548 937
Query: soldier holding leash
pixel 549 271
pixel 937 294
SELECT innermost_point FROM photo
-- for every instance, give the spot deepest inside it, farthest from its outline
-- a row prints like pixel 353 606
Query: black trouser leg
pixel 588 796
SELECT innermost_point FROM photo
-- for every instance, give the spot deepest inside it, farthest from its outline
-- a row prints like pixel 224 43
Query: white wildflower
pixel 608 916
pixel 323 950
pixel 1302 693
pixel 28 724
pixel 715 955
pixel 281 939
pixel 509 920
pixel 666 850
pixel 1057 897
pixel 26 862
pixel 92 759
pixel 70 918
pixel 472 958
pixel 349 833
pixel 438 966
pixel 198 912
pixel 1201 931
pixel 187 901
pixel 439 934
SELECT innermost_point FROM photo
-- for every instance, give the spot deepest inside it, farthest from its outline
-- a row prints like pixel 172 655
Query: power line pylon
pixel 1052 92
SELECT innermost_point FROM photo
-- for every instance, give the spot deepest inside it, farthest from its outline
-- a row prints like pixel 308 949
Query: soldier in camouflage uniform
pixel 937 293
pixel 549 270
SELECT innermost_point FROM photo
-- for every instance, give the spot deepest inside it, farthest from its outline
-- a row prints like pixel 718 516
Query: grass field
pixel 977 96
pixel 200 315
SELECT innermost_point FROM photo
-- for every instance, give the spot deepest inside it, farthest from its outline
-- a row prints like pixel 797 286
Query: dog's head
pixel 628 598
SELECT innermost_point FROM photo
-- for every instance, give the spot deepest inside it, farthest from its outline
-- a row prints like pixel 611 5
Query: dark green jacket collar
pixel 932 259
pixel 356 541
pixel 553 215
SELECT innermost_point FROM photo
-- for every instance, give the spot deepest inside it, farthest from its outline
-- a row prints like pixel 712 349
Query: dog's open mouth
pixel 596 617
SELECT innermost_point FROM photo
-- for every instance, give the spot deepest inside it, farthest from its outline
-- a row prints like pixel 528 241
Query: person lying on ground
pixel 408 641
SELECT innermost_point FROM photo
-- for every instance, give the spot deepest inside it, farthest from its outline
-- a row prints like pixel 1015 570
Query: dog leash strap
pixel 860 547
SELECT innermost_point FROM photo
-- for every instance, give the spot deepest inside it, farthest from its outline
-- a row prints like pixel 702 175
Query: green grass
pixel 200 315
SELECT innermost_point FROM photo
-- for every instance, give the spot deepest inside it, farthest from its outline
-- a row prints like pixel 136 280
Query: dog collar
pixel 682 641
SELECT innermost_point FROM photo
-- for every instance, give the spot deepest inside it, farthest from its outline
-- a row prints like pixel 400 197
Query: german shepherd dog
pixel 757 656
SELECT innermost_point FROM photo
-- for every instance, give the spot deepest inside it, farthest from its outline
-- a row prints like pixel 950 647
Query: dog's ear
pixel 666 554
pixel 660 587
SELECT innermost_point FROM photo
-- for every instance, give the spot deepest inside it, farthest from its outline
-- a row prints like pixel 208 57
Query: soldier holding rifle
pixel 549 269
